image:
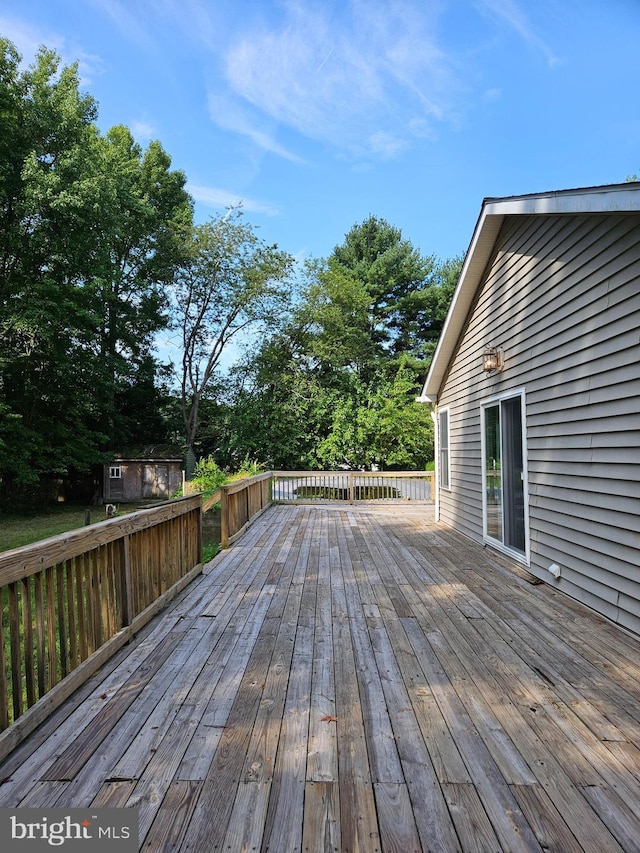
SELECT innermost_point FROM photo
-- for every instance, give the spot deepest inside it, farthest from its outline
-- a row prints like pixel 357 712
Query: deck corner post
pixel 224 517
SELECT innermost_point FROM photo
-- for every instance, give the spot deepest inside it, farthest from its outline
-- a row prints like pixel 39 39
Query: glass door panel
pixel 493 473
pixel 513 474
pixel 504 474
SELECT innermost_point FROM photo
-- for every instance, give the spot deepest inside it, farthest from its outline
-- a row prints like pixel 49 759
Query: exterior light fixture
pixel 492 360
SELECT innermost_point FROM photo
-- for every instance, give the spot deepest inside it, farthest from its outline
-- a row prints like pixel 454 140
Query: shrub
pixel 208 476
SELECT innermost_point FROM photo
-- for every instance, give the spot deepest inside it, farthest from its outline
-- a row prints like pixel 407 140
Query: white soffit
pixel 616 198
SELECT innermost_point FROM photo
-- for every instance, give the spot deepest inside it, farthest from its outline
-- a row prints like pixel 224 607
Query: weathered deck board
pixel 356 678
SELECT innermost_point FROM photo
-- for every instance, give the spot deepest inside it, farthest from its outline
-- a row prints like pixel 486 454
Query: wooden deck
pixel 356 678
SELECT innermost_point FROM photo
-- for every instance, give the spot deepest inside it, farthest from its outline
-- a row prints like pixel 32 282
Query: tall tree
pixel 146 216
pixel 232 281
pixel 337 385
pixel 48 198
pixel 380 425
pixel 91 230
pixel 392 272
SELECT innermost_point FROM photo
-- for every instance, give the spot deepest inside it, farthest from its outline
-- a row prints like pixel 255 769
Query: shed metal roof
pixel 149 453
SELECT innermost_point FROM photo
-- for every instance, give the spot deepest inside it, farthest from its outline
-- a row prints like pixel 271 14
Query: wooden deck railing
pixel 353 485
pixel 244 500
pixel 241 503
pixel 71 601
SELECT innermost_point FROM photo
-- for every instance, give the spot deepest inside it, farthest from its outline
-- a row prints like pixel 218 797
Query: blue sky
pixel 317 114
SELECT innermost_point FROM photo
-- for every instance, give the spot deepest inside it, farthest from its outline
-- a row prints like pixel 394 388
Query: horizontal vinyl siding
pixel 461 506
pixel 561 297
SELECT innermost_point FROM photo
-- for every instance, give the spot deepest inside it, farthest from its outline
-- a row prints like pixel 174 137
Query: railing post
pixel 127 591
pixel 350 487
pixel 224 518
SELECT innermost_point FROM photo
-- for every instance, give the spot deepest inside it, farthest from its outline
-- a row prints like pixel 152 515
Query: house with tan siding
pixel 535 390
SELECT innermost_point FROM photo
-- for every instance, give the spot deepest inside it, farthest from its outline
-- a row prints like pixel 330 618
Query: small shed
pixel 140 473
pixel 535 386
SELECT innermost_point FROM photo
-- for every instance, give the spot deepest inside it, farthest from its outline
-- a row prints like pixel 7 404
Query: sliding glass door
pixel 504 472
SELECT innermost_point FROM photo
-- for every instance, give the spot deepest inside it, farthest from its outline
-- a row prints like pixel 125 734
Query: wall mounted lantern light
pixel 492 360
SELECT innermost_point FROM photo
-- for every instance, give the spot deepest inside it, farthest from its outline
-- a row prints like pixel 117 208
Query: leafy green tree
pixel 146 214
pixel 377 298
pixel 380 426
pixel 91 230
pixel 424 312
pixel 391 270
pixel 231 281
pixel 278 410
pixel 335 313
pixel 337 385
pixel 47 233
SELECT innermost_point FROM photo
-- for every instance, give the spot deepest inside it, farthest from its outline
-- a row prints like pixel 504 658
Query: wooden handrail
pixel 29 559
pixel 68 602
pixel 246 482
pixel 371 474
pixel 210 501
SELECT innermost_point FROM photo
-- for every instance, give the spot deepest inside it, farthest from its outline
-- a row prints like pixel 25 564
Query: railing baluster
pixel 27 625
pixel 62 622
pixel 4 688
pixel 71 613
pixel 40 634
pixel 14 635
pixel 124 582
pixel 80 608
pixel 50 612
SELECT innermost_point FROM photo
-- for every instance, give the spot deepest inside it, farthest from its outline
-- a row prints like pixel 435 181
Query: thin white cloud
pixel 28 39
pixel 511 13
pixel 386 145
pixel 219 198
pixel 230 115
pixel 134 27
pixel 143 130
pixel 90 66
pixel 351 78
pixel 491 95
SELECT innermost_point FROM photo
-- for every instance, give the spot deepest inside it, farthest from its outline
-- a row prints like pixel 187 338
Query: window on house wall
pixel 443 444
pixel 115 472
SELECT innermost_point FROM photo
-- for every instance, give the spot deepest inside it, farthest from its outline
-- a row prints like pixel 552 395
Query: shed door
pixel 504 473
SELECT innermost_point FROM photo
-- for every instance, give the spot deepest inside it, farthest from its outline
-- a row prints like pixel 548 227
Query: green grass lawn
pixel 17 530
pixel 24 529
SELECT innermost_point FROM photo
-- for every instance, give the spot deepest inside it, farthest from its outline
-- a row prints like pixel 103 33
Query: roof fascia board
pixel 478 254
pixel 622 198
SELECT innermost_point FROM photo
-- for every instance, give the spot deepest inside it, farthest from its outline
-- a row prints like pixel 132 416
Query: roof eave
pixel 614 198
pixel 476 259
